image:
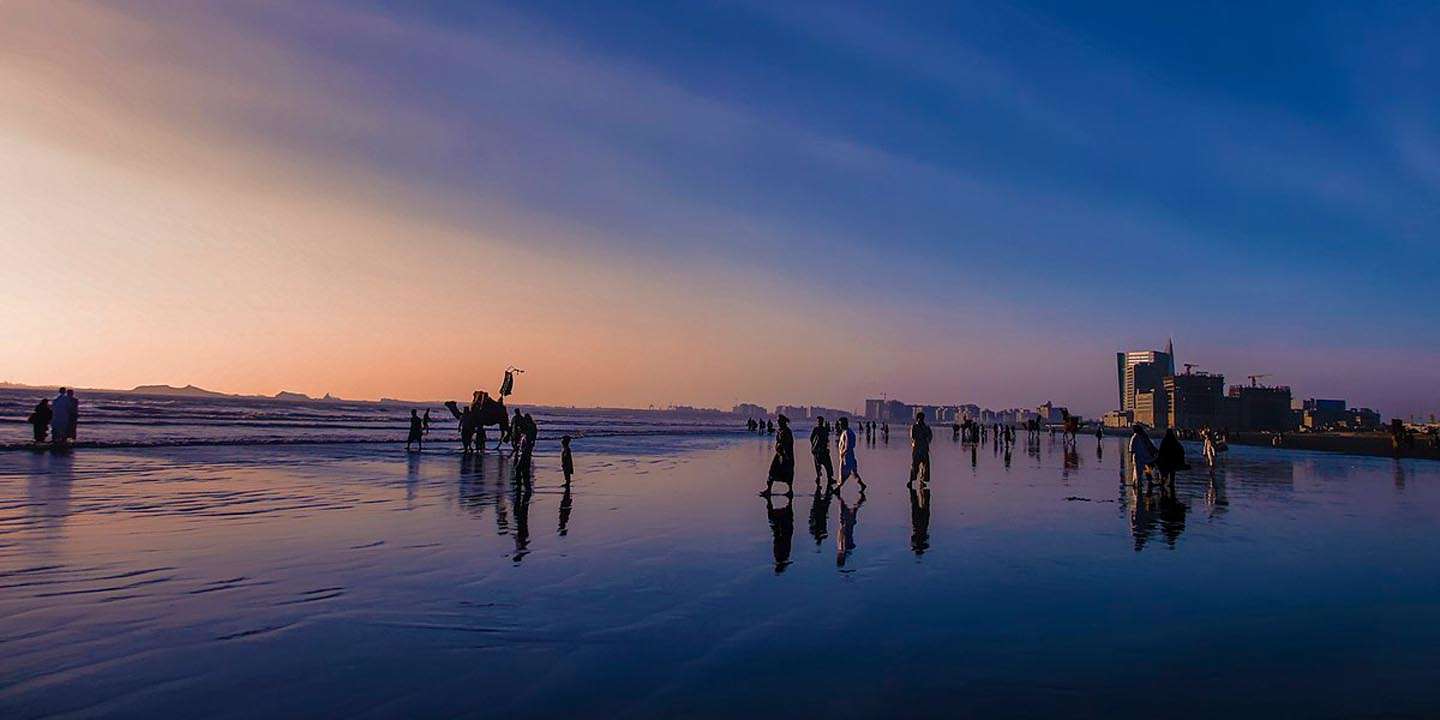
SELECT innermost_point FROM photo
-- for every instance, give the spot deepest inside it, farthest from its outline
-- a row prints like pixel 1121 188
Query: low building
pixel 751 411
pixel 1260 408
pixel 1195 400
pixel 1118 419
pixel 794 412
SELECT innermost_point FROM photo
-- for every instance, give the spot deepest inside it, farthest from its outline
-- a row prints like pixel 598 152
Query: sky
pixel 718 202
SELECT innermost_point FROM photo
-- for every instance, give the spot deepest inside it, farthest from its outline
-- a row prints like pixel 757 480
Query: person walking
pixel 1142 450
pixel 782 466
pixel 417 431
pixel 820 450
pixel 425 421
pixel 1170 458
pixel 920 437
pixel 40 420
pixel 848 465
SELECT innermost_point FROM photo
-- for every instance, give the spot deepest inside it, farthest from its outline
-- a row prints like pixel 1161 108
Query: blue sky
pixel 983 200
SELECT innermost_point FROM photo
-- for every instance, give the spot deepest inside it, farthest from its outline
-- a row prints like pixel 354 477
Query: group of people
pixel 1162 462
pixel 59 418
pixel 782 466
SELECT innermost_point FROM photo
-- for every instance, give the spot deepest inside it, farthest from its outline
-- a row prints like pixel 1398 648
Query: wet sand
pixel 351 580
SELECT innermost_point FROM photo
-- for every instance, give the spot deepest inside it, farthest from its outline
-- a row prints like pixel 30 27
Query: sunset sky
pixel 715 202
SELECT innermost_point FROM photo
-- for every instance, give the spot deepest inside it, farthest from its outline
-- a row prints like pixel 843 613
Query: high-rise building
pixel 1142 371
pixel 1195 400
pixel 874 408
pixel 1150 409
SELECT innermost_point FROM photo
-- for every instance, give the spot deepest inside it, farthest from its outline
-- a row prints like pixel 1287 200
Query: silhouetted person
pixel 848 464
pixel 567 461
pixel 885 432
pixel 820 451
pixel 516 423
pixel 782 467
pixel 770 427
pixel 920 437
pixel 782 526
pixel 425 421
pixel 1171 457
pixel 529 434
pixel 417 431
pixel 750 424
pixel 467 430
pixel 1142 450
pixel 74 414
pixel 62 416
pixel 919 519
pixel 845 536
pixel 40 420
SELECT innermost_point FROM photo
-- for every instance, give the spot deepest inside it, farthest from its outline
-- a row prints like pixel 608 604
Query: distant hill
pixel 287 395
pixel 187 391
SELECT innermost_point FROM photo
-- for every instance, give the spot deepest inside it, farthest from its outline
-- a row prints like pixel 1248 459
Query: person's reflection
pixel 1172 514
pixel 1099 450
pixel 845 537
pixel 1399 476
pixel 782 526
pixel 502 509
pixel 1071 457
pixel 521 500
pixel 567 502
pixel 412 479
pixel 1143 516
pixel 820 513
pixel 473 496
pixel 1007 457
pixel 920 519
pixel 48 489
pixel 974 456
pixel 1215 496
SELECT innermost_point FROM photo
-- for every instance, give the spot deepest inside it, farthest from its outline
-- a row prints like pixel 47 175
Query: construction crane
pixel 1188 366
pixel 1254 379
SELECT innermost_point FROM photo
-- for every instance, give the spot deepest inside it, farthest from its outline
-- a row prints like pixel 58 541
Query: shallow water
pixel 356 581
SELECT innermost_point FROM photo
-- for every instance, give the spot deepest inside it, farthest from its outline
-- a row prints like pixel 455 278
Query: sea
pixel 127 419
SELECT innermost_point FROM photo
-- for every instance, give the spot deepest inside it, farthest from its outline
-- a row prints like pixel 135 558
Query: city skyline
pixel 708 205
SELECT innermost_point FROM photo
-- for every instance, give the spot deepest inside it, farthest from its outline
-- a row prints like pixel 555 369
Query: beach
pixel 356 580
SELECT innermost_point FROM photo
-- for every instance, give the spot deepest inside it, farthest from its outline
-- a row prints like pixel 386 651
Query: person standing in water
pixel 782 467
pixel 848 465
pixel 920 436
pixel 567 462
pixel 425 421
pixel 40 420
pixel 61 417
pixel 517 423
pixel 417 431
pixel 820 450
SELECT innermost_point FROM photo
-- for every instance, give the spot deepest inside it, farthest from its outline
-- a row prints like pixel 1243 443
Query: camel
pixel 487 411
